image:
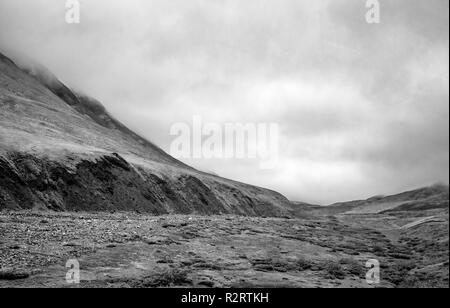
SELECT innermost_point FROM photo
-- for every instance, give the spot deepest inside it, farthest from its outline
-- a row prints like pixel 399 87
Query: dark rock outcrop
pixel 110 183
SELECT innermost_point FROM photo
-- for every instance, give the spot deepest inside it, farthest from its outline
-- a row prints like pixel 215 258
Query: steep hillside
pixel 61 150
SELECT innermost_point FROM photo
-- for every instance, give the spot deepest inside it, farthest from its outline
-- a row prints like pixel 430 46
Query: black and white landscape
pixel 358 92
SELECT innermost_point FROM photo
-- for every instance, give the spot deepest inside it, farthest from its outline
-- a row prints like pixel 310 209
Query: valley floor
pixel 131 250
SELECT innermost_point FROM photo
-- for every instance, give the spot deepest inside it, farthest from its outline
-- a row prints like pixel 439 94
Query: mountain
pixel 426 198
pixel 61 150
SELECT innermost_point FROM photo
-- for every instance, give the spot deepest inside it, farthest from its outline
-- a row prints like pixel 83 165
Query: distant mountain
pixel 62 150
pixel 427 198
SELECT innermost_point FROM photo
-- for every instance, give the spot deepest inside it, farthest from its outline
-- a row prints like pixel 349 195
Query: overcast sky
pixel 363 108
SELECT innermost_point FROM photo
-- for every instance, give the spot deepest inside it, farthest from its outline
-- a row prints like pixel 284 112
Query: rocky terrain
pixel 127 249
pixel 132 250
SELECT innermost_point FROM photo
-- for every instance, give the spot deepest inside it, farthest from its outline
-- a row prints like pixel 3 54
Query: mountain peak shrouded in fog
pixel 61 150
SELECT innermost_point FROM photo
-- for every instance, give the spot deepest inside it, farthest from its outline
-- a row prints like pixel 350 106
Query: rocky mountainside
pixel 61 150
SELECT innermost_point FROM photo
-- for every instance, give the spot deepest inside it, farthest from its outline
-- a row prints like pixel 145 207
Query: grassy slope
pixel 426 198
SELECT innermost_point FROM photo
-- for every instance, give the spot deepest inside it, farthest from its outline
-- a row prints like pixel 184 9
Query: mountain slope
pixel 426 198
pixel 62 150
pixel 405 200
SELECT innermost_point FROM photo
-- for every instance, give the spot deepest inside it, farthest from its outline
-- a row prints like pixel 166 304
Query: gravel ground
pixel 131 250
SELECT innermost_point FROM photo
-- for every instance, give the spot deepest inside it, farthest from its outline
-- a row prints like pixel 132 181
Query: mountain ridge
pixel 430 197
pixel 61 150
